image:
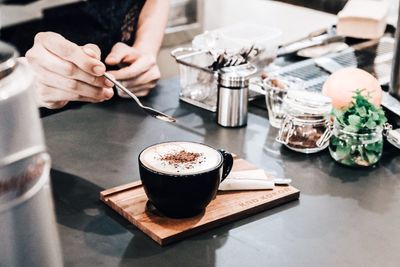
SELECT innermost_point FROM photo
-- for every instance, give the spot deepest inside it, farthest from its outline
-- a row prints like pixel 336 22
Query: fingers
pixel 140 66
pixel 70 52
pixel 51 97
pixel 54 98
pixel 92 50
pixel 67 72
pixel 149 77
pixel 53 105
pixel 75 87
pixel 120 53
pixel 39 56
pixel 40 59
pixel 141 90
pixel 139 93
pixel 143 93
pixel 142 84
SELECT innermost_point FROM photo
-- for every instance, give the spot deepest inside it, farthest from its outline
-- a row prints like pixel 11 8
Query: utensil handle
pixel 227 165
pixel 123 88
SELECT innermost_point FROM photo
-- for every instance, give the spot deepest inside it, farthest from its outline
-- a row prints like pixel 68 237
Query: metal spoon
pixel 155 113
pixel 247 54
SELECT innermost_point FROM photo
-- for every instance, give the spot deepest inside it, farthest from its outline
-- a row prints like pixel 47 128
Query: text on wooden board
pixel 264 198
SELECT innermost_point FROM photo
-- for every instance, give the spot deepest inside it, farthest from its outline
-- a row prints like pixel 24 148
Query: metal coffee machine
pixel 28 231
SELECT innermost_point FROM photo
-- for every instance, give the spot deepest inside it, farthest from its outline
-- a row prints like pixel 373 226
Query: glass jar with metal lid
pixel 361 149
pixel 306 126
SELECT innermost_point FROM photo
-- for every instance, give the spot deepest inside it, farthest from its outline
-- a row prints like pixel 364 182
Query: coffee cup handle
pixel 227 165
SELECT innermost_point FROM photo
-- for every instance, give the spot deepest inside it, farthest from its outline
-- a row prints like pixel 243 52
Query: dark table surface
pixel 345 216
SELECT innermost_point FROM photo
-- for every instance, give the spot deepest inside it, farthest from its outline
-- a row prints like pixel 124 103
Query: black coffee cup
pixel 184 195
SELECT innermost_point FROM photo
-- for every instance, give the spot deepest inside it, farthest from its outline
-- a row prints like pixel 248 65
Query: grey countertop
pixel 345 216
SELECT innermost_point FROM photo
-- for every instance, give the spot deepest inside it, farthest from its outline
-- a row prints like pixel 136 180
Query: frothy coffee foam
pixel 180 158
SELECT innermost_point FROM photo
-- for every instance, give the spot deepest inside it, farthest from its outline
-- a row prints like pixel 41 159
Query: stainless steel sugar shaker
pixel 233 91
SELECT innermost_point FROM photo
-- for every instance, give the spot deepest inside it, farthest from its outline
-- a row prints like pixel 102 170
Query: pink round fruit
pixel 342 84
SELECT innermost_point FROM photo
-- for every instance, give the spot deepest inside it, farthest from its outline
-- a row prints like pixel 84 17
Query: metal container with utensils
pixel 28 231
pixel 233 91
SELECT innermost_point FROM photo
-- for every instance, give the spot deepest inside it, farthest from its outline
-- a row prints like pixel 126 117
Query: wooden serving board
pixel 130 201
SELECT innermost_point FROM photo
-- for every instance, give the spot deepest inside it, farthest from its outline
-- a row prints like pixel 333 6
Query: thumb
pixel 118 53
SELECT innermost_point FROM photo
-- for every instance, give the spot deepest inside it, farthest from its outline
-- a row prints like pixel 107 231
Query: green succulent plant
pixel 361 117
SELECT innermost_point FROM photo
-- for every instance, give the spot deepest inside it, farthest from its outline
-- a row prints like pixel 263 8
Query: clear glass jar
pixel 276 88
pixel 356 149
pixel 306 126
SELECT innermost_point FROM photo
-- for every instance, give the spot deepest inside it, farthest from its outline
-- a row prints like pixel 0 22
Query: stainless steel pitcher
pixel 28 234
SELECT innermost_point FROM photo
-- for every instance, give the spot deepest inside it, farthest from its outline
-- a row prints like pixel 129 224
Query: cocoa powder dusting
pixel 181 157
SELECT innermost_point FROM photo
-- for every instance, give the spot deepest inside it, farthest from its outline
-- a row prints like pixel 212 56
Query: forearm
pixel 151 26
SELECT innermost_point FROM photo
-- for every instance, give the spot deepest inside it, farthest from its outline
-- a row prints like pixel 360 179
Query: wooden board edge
pixel 106 194
pixel 228 219
pixel 121 212
pixel 118 189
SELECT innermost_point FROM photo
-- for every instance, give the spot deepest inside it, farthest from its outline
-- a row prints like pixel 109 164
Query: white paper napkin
pixel 247 180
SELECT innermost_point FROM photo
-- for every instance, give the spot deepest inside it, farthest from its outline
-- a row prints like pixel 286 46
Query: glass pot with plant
pixel 357 133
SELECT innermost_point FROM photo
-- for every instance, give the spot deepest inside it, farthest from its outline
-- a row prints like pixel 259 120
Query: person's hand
pixel 67 72
pixel 140 72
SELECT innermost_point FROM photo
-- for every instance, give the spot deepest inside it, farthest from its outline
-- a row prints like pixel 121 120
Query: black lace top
pixel 102 22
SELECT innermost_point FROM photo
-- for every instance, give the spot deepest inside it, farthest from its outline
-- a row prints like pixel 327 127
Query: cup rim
pixel 180 175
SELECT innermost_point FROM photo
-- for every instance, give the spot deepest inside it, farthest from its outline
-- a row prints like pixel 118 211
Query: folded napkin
pixel 247 180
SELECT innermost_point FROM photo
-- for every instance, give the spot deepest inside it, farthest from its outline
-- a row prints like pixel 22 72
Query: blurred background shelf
pixel 188 18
